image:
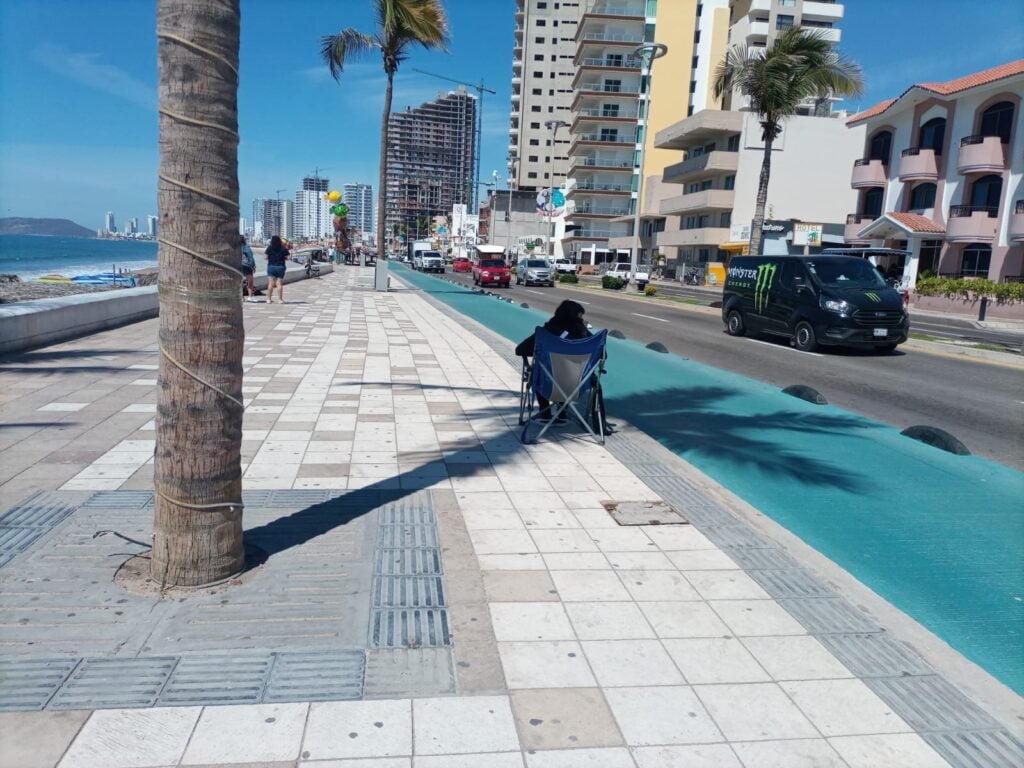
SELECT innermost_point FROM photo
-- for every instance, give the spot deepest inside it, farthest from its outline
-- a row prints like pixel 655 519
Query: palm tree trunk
pixel 762 195
pixel 197 527
pixel 382 179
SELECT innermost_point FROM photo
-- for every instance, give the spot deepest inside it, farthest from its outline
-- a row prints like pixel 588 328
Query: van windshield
pixel 432 254
pixel 492 263
pixel 533 263
pixel 846 273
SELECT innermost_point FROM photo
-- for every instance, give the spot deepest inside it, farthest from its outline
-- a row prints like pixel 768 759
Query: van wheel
pixel 886 349
pixel 734 324
pixel 804 338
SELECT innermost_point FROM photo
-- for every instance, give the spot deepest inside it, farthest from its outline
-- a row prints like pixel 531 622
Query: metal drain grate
pixel 790 583
pixel 930 703
pixel 977 749
pixel 735 536
pixel 204 680
pixel 828 615
pixel 31 683
pixel 409 628
pixel 115 683
pixel 316 676
pixel 408 592
pixel 875 655
pixel 762 559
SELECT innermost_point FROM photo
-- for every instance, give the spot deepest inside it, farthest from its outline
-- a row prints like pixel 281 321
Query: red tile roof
pixel 984 77
pixel 915 222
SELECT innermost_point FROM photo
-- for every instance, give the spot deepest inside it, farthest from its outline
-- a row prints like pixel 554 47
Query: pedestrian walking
pixel 248 269
pixel 277 258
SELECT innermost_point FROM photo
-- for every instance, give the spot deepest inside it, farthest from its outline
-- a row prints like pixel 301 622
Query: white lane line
pixel 539 293
pixel 779 346
pixel 649 317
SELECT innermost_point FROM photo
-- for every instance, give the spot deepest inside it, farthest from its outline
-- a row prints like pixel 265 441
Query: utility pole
pixel 553 126
pixel 478 134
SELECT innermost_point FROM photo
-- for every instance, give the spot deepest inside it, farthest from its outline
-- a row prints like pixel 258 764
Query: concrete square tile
pixel 906 750
pixel 370 762
pixel 844 707
pixel 37 739
pixel 795 753
pixel 796 657
pixel 464 724
pixel 479 760
pixel 564 718
pixel 652 586
pixel 678 619
pixel 526 500
pixel 584 499
pixel 725 585
pixel 512 562
pixel 694 756
pixel 545 665
pixel 755 711
pixel 594 518
pixel 639 561
pixel 589 586
pixel 132 738
pixel 668 715
pixel 576 561
pixel 701 560
pixel 530 621
pixel 263 732
pixel 607 757
pixel 66 407
pixel 519 586
pixel 492 520
pixel 343 729
pixel 559 540
pixel 483 501
pixel 499 542
pixel 631 662
pixel 751 618
pixel 678 537
pixel 608 621
pixel 549 518
pixel 623 540
pixel 715 660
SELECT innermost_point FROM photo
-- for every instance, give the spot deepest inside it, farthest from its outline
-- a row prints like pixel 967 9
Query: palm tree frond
pixel 349 43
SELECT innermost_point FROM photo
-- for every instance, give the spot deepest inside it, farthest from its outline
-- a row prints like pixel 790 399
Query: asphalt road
pixel 980 402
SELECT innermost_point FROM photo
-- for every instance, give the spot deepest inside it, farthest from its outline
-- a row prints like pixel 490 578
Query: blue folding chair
pixel 567 373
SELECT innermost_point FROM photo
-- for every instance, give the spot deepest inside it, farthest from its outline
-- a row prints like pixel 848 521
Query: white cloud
pixel 88 70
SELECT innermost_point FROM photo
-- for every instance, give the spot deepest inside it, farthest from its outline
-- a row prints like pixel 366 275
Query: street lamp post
pixel 512 161
pixel 647 53
pixel 553 126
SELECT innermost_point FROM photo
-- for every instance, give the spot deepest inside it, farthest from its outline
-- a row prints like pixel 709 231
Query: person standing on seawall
pixel 248 269
pixel 277 257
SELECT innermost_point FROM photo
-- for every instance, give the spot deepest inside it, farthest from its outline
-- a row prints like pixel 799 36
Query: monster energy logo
pixel 874 297
pixel 762 287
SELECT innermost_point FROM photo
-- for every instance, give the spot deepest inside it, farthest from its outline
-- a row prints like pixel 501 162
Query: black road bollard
pixel 983 308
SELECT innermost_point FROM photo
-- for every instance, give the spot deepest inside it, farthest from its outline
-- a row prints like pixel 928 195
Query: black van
pixel 834 300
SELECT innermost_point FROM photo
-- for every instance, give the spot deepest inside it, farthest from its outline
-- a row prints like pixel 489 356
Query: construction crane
pixel 474 182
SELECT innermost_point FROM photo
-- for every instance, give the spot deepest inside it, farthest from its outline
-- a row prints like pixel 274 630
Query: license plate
pixel 881 331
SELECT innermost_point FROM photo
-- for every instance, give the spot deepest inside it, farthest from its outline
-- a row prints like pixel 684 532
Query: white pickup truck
pixel 428 261
pixel 564 267
pixel 623 271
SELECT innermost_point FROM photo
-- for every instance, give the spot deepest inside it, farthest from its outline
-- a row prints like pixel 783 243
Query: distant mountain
pixel 52 227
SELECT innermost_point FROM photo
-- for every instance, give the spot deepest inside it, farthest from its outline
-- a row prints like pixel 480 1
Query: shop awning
pixel 737 247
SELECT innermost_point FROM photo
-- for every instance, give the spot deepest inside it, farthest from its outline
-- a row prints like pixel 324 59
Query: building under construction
pixel 430 161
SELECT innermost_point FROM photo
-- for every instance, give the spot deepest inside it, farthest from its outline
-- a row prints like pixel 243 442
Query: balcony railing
pixel 609 88
pixel 602 188
pixel 599 210
pixel 963 211
pixel 603 137
pixel 868 161
pixel 608 113
pixel 913 151
pixel 600 234
pixel 860 218
pixel 617 10
pixel 608 62
pixel 590 161
pixel 607 37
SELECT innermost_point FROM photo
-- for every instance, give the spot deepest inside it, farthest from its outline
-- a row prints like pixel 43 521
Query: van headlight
pixel 839 307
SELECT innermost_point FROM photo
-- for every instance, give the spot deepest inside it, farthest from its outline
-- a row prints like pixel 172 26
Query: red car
pixel 491 272
pixel 462 264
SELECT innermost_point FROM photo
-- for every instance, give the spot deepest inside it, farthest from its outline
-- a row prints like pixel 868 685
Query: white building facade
pixel 359 199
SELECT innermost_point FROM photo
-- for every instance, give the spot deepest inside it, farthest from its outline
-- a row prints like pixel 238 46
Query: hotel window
pixel 730 182
pixel 928 258
pixel 725 220
pixel 783 21
pixel 787 3
pixel 976 259
pixel 922 196
pixel 733 145
pixel 933 134
pixel 881 147
pixel 997 120
pixel 873 202
pixel 985 194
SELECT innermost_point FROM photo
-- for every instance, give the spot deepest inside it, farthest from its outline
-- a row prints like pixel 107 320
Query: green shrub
pixel 969 289
pixel 650 290
pixel 568 278
pixel 612 283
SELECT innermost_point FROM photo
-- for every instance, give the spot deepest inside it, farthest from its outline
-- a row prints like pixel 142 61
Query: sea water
pixel 31 256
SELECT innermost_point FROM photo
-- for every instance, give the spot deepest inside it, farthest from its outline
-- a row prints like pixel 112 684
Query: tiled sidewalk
pixel 576 642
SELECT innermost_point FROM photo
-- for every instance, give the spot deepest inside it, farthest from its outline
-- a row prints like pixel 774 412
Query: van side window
pixel 792 275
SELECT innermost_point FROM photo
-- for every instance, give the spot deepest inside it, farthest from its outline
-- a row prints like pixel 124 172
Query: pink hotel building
pixel 941 177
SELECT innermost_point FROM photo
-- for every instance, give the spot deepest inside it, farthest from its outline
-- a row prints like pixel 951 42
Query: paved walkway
pixel 563 640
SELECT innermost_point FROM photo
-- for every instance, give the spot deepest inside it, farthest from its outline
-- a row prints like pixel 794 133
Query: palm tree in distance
pixel 400 25
pixel 800 65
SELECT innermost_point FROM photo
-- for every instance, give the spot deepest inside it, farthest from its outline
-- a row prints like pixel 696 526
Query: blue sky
pixel 78 128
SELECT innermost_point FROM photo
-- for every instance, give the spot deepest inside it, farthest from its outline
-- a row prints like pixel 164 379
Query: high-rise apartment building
pixel 543 67
pixel 359 199
pixel 276 217
pixel 151 225
pixel 430 161
pixel 108 222
pixel 312 211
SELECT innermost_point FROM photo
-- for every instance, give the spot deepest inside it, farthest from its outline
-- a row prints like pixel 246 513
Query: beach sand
pixel 12 290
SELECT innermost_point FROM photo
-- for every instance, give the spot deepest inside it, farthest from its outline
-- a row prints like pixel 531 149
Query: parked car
pixel 814 300
pixel 491 272
pixel 564 267
pixel 462 264
pixel 534 272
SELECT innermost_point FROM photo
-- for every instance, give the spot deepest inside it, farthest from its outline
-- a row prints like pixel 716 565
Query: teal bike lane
pixel 939 536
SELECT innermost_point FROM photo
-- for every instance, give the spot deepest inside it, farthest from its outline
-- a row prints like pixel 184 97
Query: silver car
pixel 534 272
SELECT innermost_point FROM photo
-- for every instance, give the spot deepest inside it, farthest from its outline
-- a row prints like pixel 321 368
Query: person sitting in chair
pixel 566 323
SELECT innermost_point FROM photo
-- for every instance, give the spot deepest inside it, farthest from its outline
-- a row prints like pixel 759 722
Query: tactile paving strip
pixel 977 749
pixel 875 655
pixel 108 683
pixel 31 683
pixel 320 676
pixel 24 524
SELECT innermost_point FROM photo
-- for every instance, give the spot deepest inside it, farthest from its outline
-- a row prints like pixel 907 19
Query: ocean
pixel 29 256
